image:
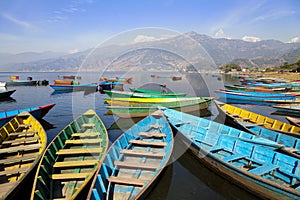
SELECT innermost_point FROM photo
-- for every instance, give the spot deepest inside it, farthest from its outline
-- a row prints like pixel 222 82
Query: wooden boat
pixel 293 121
pixel 291 109
pixel 294 101
pixel 253 96
pixel 106 85
pixel 254 167
pixel 127 80
pixel 125 94
pixel 71 159
pixel 37 112
pixel 244 118
pixel 135 160
pixel 23 141
pixel 6 94
pixel 254 89
pixel 166 102
pixel 141 110
pixel 155 92
pixel 88 86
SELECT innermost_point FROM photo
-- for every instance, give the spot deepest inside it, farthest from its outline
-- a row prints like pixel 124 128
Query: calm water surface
pixel 185 178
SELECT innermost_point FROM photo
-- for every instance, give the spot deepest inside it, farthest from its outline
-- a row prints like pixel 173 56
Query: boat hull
pixel 6 94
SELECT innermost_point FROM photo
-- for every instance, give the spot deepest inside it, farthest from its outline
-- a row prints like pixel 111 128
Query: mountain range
pixel 186 52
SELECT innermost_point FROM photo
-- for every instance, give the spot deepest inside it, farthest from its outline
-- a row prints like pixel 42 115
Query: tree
pixel 230 66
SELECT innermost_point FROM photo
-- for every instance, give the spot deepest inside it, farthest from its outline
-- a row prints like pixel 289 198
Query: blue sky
pixel 75 25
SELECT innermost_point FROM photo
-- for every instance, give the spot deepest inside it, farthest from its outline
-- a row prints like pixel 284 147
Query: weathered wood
pixel 78 151
pixel 84 141
pixel 126 181
pixel 137 165
pixel 29 133
pixel 155 126
pixel 88 125
pixel 151 134
pixel 18 159
pixel 234 157
pixel 14 171
pixel 143 153
pixel 69 176
pixel 24 140
pixel 88 134
pixel 263 169
pixel 5 187
pixel 146 143
pixel 20 148
pixel 24 126
pixel 75 163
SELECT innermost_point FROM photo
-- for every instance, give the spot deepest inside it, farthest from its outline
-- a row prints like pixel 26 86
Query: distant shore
pixel 285 75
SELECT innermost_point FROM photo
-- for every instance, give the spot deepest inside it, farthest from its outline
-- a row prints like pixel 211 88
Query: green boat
pixel 71 159
pixel 143 110
pixel 125 94
pixel 139 90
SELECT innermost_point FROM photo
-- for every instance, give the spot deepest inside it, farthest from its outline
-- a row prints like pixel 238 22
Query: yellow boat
pixel 161 101
pixel 22 142
pixel 248 118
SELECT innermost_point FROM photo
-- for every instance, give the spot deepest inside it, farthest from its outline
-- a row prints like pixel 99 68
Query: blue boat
pixel 135 160
pixel 254 167
pixel 37 112
pixel 291 110
pixel 79 87
pixel 253 96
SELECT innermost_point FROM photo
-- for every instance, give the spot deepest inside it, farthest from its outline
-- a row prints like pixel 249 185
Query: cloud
pixel 16 21
pixel 294 40
pixel 273 15
pixel 220 34
pixel 72 51
pixel 146 38
pixel 251 38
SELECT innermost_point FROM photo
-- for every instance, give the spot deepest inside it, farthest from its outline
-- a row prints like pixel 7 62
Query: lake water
pixel 185 178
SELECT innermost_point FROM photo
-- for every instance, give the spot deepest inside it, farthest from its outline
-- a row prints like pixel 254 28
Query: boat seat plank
pixel 88 134
pixel 150 134
pixel 24 140
pixel 28 133
pixel 24 126
pixel 84 141
pixel 234 115
pixel 155 126
pixel 20 148
pixel 69 176
pixel 143 153
pixel 79 151
pixel 233 157
pixel 126 181
pixel 14 171
pixel 75 163
pixel 18 159
pixel 88 125
pixel 263 169
pixel 137 165
pixel 6 186
pixel 146 143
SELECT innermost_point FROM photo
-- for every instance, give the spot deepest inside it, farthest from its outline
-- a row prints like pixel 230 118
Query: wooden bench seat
pixel 151 134
pixel 14 171
pixel 18 159
pixel 84 141
pixel 88 125
pixel 233 157
pixel 79 151
pixel 263 169
pixel 6 187
pixel 88 134
pixel 146 143
pixel 24 140
pixel 75 163
pixel 29 147
pixel 28 133
pixel 137 165
pixel 155 126
pixel 143 153
pixel 24 126
pixel 69 176
pixel 126 181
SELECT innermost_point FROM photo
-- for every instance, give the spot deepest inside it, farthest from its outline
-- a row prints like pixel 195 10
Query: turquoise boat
pixel 157 92
pixel 253 96
pixel 79 87
pixel 125 94
pixel 256 168
pixel 134 162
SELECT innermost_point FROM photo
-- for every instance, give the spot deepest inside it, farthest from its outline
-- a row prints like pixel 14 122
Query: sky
pixel 75 25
